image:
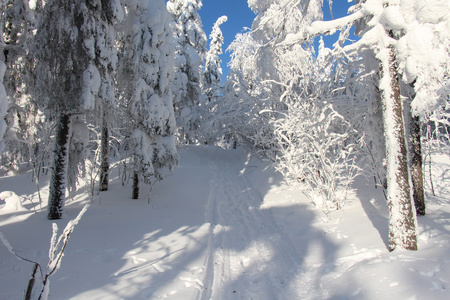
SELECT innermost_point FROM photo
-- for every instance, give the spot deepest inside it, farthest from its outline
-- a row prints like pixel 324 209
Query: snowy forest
pixel 244 188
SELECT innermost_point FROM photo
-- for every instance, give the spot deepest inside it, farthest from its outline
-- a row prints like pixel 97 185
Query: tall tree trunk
pixel 104 154
pixel 402 218
pixel 57 191
pixel 417 165
pixel 135 185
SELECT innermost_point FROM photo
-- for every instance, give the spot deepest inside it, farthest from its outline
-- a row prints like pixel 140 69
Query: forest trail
pixel 222 226
pixel 249 256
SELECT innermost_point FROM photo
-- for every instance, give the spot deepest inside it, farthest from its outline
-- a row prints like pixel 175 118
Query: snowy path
pixel 249 257
pixel 223 227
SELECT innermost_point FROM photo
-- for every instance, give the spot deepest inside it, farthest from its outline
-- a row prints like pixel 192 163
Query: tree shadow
pixel 375 207
pixel 268 247
pixel 170 248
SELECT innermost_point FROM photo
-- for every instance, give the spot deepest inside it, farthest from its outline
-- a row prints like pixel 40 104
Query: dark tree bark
pixel 58 179
pixel 135 185
pixel 417 165
pixel 104 152
pixel 415 151
pixel 402 228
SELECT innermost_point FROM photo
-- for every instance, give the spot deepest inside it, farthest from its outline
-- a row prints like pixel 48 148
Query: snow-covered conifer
pixel 190 49
pixel 213 70
pixel 212 74
pixel 23 117
pixel 147 61
pixel 74 51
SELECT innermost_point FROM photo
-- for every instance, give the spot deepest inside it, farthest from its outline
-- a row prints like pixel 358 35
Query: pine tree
pixel 24 118
pixel 72 58
pixel 213 71
pixel 237 116
pixel 211 88
pixel 190 49
pixel 147 63
pixel 262 71
pixel 106 62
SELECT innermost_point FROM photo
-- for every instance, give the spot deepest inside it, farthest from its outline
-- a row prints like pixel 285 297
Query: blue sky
pixel 240 16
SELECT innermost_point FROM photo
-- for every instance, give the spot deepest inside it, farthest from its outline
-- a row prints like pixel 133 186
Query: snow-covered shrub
pixel 317 146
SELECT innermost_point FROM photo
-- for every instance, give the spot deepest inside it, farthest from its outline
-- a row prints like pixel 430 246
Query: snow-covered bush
pixel 317 146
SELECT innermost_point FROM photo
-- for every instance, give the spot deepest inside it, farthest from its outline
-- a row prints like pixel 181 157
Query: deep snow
pixel 223 226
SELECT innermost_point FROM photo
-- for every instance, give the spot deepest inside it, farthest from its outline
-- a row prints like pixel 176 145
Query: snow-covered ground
pixel 223 226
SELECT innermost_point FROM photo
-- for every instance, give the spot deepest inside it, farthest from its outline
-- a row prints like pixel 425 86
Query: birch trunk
pixel 402 217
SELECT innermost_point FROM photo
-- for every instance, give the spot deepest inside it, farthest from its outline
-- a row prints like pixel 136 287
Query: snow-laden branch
pixel 322 27
pixel 375 37
pixel 330 27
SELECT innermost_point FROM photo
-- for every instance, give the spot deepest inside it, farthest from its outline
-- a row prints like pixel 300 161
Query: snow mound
pixel 12 200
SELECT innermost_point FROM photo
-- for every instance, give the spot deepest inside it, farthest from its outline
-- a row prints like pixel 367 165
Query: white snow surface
pixel 12 201
pixel 223 226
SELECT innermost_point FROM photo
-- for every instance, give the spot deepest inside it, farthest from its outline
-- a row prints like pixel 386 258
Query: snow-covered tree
pixel 410 41
pixel 213 70
pixel 72 52
pixel 317 140
pixel 237 117
pixel 261 72
pixel 106 61
pixel 23 117
pixel 147 66
pixel 212 76
pixel 190 49
pixel 3 103
pixel 3 98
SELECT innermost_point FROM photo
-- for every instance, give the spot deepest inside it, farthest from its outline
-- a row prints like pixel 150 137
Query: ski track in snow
pixel 249 257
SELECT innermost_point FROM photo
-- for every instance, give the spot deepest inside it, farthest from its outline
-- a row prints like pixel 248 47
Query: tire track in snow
pixel 248 256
